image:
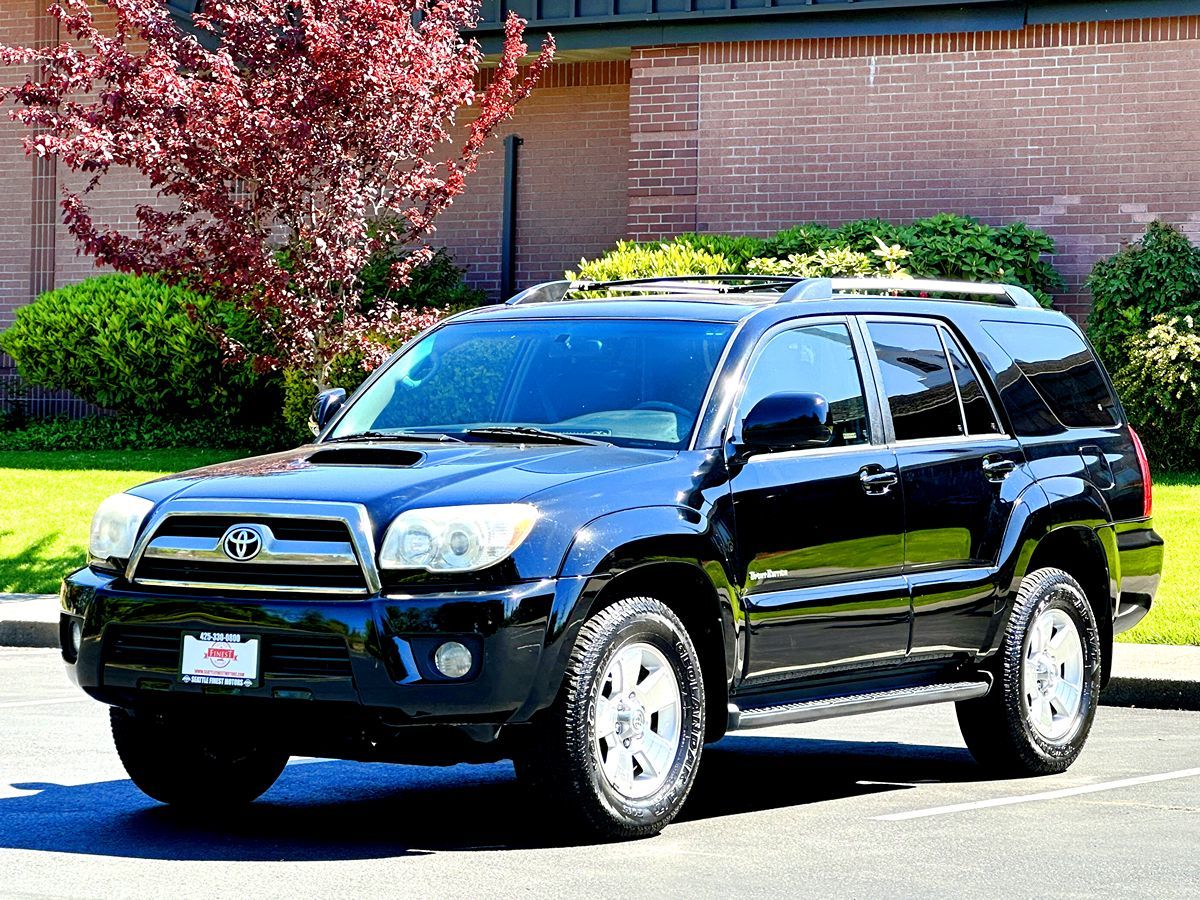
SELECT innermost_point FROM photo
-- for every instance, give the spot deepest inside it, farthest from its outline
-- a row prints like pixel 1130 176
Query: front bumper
pixel 384 675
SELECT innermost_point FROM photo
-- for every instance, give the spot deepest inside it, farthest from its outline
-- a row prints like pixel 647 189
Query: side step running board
pixel 811 710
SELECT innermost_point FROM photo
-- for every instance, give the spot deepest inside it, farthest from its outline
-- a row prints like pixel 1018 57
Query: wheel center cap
pixel 1047 672
pixel 631 717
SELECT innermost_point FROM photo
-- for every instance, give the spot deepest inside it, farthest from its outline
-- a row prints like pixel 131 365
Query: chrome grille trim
pixel 360 550
pixel 272 588
pixel 274 551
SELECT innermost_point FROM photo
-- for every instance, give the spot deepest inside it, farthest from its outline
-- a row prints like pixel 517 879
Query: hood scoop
pixel 366 456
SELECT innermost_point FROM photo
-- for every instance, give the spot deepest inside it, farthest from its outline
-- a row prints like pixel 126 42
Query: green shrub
pixel 737 250
pixel 797 241
pixel 1160 386
pixel 438 283
pixel 1154 276
pixel 143 432
pixel 947 246
pixel 137 345
pixel 884 260
pixel 942 246
pixel 662 258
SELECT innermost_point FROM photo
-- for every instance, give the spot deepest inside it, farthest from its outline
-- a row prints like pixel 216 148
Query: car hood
pixel 388 478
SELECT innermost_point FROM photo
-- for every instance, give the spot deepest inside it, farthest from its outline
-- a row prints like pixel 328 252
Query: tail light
pixel 1144 465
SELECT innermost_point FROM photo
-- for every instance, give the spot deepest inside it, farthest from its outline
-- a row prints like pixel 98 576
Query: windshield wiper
pixel 395 436
pixel 529 435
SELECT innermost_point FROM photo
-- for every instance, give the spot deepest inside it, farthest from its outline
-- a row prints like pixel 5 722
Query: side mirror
pixel 786 422
pixel 324 407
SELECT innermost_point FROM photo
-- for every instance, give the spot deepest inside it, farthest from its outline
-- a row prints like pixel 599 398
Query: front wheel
pixel 1038 714
pixel 617 753
pixel 186 767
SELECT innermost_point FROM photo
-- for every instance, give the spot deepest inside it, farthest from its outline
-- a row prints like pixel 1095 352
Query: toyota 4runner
pixel 596 527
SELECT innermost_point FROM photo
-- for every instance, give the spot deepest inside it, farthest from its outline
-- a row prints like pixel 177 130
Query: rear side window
pixel 1061 368
pixel 981 418
pixel 917 380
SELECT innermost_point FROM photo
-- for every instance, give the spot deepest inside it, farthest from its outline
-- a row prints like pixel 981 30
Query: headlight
pixel 455 538
pixel 115 527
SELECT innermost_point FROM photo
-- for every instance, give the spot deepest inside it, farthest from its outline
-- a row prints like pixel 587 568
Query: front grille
pixel 284 528
pixel 251 575
pixel 282 655
pixel 294 554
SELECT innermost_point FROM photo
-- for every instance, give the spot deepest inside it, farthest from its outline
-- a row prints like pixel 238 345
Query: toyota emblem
pixel 242 542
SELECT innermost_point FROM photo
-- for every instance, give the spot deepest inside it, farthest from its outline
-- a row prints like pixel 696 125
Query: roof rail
pixel 790 288
pixel 557 291
pixel 828 288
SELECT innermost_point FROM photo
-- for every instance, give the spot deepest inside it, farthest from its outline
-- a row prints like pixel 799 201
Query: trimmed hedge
pixel 143 432
pixel 137 345
pixel 941 246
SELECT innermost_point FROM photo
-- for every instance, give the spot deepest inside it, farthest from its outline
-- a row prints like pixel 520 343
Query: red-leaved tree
pixel 313 135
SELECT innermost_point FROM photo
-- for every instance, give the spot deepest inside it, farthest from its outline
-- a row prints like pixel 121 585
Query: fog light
pixel 453 659
pixel 76 635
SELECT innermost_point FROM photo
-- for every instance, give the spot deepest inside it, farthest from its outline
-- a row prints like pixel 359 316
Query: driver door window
pixel 815 359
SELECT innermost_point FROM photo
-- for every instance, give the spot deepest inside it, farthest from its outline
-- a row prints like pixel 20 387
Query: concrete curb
pixel 1144 675
pixel 28 620
pixel 1152 693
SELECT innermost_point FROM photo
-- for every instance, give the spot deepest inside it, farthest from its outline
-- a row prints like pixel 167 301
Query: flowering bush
pixel 1160 387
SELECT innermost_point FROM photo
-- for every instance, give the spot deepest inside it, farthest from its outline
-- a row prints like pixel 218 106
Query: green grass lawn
pixel 1175 616
pixel 47 501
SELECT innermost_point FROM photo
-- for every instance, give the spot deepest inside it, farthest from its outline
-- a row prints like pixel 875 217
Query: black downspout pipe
pixel 508 228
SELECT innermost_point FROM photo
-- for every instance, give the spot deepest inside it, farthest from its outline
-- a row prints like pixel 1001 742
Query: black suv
pixel 596 527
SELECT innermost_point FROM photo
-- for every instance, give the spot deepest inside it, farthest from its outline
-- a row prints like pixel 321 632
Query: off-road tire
pixel 179 766
pixel 997 726
pixel 560 761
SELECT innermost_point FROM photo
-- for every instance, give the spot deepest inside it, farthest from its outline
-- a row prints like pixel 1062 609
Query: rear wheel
pixel 618 751
pixel 184 767
pixel 1038 714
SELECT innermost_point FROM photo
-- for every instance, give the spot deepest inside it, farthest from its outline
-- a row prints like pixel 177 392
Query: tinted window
pixel 1062 369
pixel 818 359
pixel 629 382
pixel 916 380
pixel 981 419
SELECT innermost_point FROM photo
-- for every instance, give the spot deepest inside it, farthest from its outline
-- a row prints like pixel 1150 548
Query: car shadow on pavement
pixel 325 810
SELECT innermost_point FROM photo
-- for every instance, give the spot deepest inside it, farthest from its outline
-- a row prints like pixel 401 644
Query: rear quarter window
pixel 1061 368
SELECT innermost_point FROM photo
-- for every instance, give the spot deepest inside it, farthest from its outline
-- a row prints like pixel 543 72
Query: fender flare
pixel 1046 507
pixel 626 542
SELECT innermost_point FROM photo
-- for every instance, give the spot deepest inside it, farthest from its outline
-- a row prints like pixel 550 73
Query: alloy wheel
pixel 638 721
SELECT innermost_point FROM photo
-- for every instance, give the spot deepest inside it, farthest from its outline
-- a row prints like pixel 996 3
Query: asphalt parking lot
pixel 882 805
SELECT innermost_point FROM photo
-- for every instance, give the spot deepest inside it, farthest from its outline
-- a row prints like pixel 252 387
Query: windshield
pixel 635 383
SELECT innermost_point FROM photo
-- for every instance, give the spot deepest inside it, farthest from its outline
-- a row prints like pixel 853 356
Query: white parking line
pixel 52 702
pixel 1045 795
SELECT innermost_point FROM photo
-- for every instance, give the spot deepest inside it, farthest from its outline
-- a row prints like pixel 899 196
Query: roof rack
pixel 789 288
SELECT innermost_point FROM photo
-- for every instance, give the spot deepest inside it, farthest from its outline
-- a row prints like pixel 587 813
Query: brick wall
pixel 1087 130
pixel 572 184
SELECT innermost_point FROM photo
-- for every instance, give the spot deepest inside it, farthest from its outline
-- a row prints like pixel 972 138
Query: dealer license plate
pixel 221 658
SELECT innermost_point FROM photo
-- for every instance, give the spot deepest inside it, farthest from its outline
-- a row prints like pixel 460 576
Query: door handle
pixel 877 480
pixel 997 468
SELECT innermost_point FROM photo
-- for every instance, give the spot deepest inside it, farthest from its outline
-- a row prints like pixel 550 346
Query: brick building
pixel 745 116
